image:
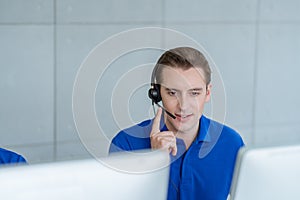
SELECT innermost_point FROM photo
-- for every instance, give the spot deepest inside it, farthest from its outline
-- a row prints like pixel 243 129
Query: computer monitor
pixel 270 173
pixel 135 176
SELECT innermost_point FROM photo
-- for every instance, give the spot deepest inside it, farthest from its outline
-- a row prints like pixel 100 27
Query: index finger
pixel 156 122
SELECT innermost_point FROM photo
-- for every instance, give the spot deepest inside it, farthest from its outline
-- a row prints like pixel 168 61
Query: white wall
pixel 254 43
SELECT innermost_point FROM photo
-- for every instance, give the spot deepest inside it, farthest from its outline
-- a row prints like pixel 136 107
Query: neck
pixel 188 138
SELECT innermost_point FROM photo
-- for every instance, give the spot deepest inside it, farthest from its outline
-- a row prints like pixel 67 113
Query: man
pixel 9 157
pixel 202 151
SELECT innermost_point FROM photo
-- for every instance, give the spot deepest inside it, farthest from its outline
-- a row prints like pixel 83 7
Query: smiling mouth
pixel 183 116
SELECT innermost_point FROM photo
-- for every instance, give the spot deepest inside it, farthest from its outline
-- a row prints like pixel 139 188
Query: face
pixel 184 94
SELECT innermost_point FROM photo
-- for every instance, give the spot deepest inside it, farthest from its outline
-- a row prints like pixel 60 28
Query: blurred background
pixel 254 43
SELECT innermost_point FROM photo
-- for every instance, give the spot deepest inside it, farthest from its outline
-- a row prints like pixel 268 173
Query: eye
pixel 172 93
pixel 195 93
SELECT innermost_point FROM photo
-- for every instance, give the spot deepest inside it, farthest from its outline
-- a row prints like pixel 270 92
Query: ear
pixel 208 92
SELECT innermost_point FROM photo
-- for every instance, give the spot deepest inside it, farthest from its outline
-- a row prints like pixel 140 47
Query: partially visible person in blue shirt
pixel 202 151
pixel 9 157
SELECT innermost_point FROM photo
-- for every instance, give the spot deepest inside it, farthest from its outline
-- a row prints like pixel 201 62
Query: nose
pixel 182 102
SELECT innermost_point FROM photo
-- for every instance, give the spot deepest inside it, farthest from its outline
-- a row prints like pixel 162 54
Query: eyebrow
pixel 171 89
pixel 196 89
pixel 193 89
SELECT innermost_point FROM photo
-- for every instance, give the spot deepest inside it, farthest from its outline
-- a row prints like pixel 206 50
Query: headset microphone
pixel 170 114
pixel 154 95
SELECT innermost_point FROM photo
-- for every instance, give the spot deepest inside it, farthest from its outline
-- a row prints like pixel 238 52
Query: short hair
pixel 184 58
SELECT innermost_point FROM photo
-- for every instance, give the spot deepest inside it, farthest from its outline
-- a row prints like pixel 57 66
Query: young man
pixel 9 157
pixel 181 80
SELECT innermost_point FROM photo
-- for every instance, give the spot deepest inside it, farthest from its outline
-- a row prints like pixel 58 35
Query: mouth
pixel 183 117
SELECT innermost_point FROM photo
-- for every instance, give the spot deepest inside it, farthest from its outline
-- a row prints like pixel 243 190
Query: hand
pixel 162 140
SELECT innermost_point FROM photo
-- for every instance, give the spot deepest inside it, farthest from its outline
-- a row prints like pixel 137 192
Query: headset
pixel 154 92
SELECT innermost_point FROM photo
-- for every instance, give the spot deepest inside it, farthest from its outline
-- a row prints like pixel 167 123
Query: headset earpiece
pixel 154 93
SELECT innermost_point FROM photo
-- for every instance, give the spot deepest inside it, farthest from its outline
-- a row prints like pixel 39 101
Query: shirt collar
pixel 203 135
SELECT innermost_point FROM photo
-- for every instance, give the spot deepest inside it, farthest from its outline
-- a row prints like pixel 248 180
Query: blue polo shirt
pixel 204 171
pixel 9 157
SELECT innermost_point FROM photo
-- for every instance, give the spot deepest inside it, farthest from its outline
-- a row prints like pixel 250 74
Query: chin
pixel 183 128
pixel 187 126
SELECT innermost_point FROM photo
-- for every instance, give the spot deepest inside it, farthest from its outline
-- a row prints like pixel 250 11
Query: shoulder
pixel 139 130
pixel 9 157
pixel 225 132
pixel 132 138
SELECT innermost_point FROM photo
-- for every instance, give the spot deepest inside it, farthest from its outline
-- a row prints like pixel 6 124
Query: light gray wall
pixel 254 43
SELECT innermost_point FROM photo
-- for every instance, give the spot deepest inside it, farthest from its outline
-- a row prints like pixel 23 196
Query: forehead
pixel 178 78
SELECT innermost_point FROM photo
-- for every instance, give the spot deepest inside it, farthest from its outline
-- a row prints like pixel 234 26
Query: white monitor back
pixel 136 175
pixel 271 173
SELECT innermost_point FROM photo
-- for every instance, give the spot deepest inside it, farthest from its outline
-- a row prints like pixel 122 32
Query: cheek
pixel 199 103
pixel 168 101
